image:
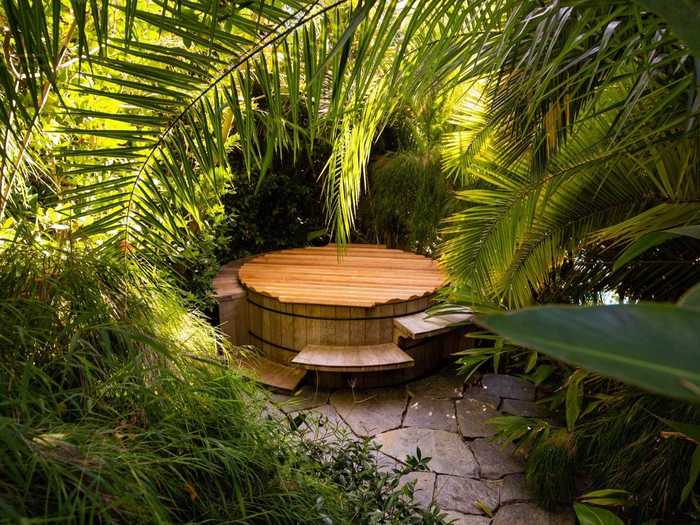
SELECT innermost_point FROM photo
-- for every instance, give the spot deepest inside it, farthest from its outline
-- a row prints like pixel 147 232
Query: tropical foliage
pixel 589 141
pixel 196 82
pixel 116 408
pixel 122 124
pixel 581 174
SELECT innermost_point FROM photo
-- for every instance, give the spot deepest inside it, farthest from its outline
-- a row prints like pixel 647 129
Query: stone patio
pixel 472 479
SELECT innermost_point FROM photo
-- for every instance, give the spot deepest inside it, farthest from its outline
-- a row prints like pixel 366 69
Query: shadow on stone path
pixel 468 472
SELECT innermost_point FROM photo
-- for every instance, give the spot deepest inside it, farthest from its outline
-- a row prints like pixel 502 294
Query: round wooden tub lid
pixel 358 275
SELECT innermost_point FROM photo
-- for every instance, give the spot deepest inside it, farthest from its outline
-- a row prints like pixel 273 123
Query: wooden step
pixel 272 374
pixel 420 325
pixel 365 358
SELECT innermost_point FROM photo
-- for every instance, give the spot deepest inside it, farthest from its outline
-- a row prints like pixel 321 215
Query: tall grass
pixel 114 408
pixel 408 197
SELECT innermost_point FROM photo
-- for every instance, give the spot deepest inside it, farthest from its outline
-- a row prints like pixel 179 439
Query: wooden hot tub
pixel 352 316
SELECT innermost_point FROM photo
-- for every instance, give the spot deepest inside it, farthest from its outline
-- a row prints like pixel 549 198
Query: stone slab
pixel 303 399
pixel 508 387
pixel 482 394
pixel 324 423
pixel 513 489
pixel 386 464
pixel 270 411
pixel 517 407
pixel 328 415
pixel 438 414
pixel 370 412
pixel 530 514
pixel 495 460
pixel 464 494
pixel 472 417
pixel 424 487
pixel 450 455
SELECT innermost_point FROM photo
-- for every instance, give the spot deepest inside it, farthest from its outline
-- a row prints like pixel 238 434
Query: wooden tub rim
pixel 322 318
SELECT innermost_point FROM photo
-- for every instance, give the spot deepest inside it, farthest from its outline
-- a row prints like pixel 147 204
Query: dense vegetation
pixel 121 406
pixel 547 151
pixel 115 410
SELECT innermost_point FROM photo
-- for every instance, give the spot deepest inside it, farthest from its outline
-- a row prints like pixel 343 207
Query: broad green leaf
pixel 588 515
pixel 652 346
pixel 683 16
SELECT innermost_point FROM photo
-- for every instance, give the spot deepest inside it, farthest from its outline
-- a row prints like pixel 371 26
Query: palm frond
pixel 313 76
pixel 591 120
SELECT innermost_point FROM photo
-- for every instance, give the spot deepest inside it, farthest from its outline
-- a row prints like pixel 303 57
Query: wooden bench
pixel 272 374
pixel 363 358
pixel 233 318
pixel 233 306
pixel 420 325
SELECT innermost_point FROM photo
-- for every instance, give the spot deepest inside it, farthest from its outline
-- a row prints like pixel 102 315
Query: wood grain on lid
pixel 359 275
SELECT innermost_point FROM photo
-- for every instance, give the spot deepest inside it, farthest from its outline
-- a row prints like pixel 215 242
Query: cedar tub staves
pixel 349 315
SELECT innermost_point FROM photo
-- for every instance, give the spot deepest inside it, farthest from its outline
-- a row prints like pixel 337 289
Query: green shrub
pixel 622 445
pixel 372 495
pixel 407 198
pixel 280 211
pixel 180 449
pixel 617 442
pixel 550 470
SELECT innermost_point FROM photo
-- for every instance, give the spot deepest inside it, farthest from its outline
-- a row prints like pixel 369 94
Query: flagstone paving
pixel 472 416
pixel 449 453
pixel 437 414
pixel 472 479
pixel 371 412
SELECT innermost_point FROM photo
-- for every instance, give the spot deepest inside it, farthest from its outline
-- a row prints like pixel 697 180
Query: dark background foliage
pixel 280 210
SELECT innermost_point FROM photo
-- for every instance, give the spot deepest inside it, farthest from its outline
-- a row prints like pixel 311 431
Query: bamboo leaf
pixel 341 45
pixel 693 475
pixel 641 245
pixel 574 398
pixel 589 515
pixel 606 497
pixel 689 430
pixel 691 299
